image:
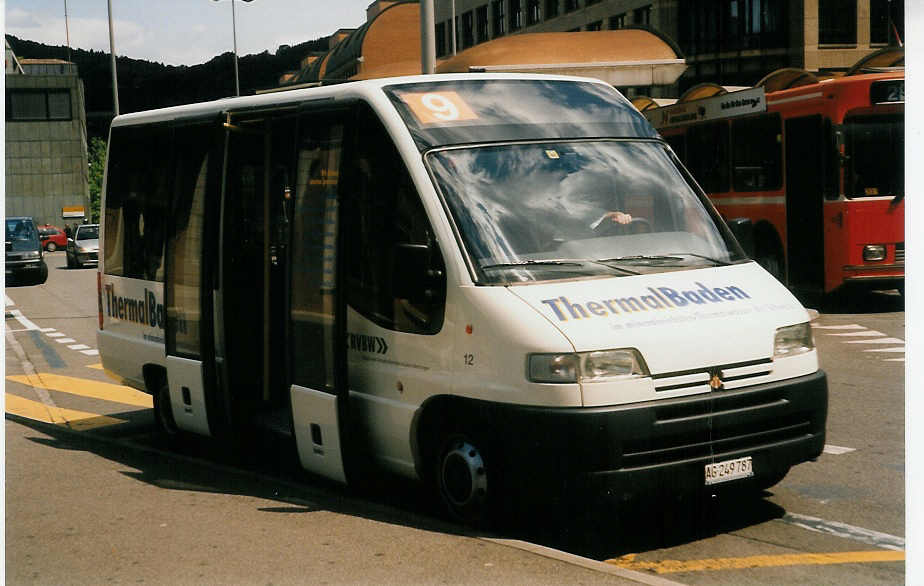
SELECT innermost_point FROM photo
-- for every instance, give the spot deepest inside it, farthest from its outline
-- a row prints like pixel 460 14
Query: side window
pixel 184 246
pixel 395 274
pixel 758 153
pixel 137 197
pixel 707 155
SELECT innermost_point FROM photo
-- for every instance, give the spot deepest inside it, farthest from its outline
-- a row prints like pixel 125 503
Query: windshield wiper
pixel 555 262
pixel 521 263
pixel 637 257
pixel 717 261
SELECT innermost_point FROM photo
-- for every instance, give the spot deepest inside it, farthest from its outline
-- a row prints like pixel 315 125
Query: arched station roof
pixel 624 57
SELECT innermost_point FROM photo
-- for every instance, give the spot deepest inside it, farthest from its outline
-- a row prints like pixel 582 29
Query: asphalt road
pixel 93 496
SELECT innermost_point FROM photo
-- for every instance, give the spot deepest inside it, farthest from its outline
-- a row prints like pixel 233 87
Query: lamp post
pixel 115 82
pixel 237 83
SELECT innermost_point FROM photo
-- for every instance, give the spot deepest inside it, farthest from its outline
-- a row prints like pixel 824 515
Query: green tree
pixel 97 159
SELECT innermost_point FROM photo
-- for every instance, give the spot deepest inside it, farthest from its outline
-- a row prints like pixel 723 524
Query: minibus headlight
pixel 609 364
pixel 874 252
pixel 793 340
pixel 586 366
pixel 32 254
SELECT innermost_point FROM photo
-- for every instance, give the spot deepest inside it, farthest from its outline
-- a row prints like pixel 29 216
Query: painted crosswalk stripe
pixel 837 450
pixel 868 536
pixel 841 327
pixel 85 388
pixel 877 341
pixel 93 352
pixel 866 333
pixel 46 330
pixel 893 359
pixel 65 340
pixel 78 347
pixel 55 334
pixel 9 301
pixel 77 420
pixel 902 349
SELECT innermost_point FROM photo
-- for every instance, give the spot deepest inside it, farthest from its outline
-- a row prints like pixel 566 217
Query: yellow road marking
pixel 758 561
pixel 86 388
pixel 97 366
pixel 77 420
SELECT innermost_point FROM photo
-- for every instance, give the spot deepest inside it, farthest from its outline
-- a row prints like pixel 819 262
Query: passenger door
pixel 317 347
pixel 805 184
pixel 189 267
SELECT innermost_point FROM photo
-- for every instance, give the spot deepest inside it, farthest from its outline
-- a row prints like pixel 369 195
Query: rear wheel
pixel 163 414
pixel 51 247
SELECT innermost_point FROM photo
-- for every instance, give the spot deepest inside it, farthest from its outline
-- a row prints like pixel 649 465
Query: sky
pixel 180 32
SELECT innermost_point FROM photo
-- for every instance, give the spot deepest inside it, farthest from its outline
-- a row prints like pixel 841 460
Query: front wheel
pixel 464 481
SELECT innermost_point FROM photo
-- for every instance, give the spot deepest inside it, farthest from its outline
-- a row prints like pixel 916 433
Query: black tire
pixel 51 247
pixel 163 415
pixel 467 485
pixel 43 274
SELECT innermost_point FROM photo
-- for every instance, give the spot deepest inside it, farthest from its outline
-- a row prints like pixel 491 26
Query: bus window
pixel 314 252
pixel 137 196
pixel 184 246
pixel 707 152
pixel 757 153
pixel 385 218
pixel 875 147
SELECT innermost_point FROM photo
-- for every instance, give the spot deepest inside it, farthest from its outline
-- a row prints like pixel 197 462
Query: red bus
pixel 818 169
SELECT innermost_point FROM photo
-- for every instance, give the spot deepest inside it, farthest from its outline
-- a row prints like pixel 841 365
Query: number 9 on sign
pixel 438 107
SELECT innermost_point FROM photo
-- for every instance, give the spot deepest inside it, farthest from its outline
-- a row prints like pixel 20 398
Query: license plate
pixel 729 470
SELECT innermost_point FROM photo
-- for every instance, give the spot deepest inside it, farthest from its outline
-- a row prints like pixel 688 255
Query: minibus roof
pixel 369 89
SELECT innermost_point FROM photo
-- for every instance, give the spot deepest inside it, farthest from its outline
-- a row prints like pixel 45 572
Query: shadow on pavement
pixel 267 467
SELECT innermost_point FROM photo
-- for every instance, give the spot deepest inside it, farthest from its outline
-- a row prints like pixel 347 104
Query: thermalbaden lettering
pixel 145 310
pixel 659 299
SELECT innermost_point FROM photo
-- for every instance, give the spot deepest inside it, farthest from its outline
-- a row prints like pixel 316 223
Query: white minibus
pixel 494 283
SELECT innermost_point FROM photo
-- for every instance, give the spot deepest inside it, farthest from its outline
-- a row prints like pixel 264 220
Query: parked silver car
pixel 83 247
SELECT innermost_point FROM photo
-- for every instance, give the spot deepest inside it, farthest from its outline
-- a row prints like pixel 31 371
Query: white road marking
pixel 93 352
pixel 46 330
pixel 868 333
pixel 843 327
pixel 877 341
pixel 23 320
pixel 883 540
pixel 65 340
pixel 837 450
pixel 78 347
pixel 9 301
pixel 893 359
pixel 902 349
pixel 55 334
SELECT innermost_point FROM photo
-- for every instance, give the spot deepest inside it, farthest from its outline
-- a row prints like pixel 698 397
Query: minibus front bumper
pixel 634 450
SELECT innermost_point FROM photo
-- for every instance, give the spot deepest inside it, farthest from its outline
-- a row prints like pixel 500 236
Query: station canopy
pixel 623 57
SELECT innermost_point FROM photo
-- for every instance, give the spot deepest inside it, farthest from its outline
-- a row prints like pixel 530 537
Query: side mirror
pixel 743 229
pixel 416 279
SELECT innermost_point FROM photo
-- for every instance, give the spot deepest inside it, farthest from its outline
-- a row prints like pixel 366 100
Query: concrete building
pixel 728 42
pixel 46 141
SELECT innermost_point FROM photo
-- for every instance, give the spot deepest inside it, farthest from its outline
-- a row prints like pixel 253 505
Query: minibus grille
pixel 731 376
pixel 900 252
pixel 715 425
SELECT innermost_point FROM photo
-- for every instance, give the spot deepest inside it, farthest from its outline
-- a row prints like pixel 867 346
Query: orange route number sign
pixel 438 107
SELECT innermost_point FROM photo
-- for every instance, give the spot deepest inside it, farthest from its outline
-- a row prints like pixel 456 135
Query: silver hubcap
pixel 463 475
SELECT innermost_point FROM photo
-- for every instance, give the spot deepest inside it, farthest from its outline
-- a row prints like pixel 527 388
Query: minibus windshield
pixel 556 210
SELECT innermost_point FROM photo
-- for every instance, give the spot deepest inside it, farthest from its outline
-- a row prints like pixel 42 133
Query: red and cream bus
pixel 817 168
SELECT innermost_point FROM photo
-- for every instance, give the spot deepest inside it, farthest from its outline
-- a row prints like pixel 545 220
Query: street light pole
pixel 115 82
pixel 237 83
